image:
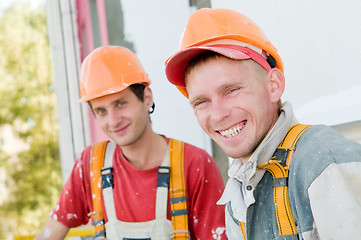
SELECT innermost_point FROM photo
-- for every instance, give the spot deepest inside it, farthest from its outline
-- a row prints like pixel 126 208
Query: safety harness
pixel 279 167
pixel 172 177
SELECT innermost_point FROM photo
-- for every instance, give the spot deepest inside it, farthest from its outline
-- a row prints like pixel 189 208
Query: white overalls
pixel 159 228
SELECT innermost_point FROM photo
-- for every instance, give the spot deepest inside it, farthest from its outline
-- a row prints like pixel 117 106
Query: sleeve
pixel 75 201
pixel 205 186
pixel 335 198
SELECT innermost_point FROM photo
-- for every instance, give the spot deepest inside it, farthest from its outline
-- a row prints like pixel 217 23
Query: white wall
pixel 74 134
pixel 319 42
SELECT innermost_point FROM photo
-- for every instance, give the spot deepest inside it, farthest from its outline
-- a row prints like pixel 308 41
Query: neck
pixel 148 152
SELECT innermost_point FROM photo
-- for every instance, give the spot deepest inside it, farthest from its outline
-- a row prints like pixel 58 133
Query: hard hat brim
pixel 176 64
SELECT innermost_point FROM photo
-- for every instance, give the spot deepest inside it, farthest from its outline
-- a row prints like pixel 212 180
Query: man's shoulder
pixel 188 147
pixel 196 157
pixel 321 140
pixel 321 146
pixel 86 152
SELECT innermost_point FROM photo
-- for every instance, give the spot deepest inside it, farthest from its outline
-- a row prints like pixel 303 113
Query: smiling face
pixel 123 116
pixel 235 102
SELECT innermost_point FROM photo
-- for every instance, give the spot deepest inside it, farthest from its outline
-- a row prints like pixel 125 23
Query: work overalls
pixel 159 228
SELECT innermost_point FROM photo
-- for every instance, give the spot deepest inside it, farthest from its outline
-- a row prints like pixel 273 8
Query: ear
pixel 148 97
pixel 276 81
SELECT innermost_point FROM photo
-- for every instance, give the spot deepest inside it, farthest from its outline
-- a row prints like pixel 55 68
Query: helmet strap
pixel 271 61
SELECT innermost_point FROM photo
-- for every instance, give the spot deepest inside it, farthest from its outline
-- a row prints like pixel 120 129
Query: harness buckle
pixel 186 233
pixel 163 176
pixel 107 177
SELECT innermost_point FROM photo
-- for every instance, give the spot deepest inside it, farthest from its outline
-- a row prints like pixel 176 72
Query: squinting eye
pixel 196 104
pixel 232 90
pixel 121 104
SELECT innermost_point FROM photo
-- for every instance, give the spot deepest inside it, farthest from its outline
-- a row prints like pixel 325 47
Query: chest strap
pixel 279 167
pixel 177 190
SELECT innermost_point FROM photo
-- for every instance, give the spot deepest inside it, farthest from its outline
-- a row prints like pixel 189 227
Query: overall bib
pixel 159 228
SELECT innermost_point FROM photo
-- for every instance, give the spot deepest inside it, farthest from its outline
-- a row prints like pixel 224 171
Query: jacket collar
pixel 245 177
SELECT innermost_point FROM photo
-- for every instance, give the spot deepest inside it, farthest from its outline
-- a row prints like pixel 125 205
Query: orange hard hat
pixel 108 70
pixel 214 27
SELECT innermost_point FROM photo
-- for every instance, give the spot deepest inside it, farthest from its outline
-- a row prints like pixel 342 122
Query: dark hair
pixel 138 90
pixel 203 57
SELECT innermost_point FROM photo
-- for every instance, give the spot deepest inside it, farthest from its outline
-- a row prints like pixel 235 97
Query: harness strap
pixel 177 191
pixel 96 164
pixel 279 167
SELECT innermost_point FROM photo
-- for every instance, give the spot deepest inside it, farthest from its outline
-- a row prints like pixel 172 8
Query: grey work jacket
pixel 324 192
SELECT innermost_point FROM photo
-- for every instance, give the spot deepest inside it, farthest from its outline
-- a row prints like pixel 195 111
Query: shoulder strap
pixel 96 164
pixel 279 168
pixel 177 191
pixel 290 141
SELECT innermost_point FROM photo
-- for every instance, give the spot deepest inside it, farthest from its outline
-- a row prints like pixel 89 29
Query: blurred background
pixel 43 127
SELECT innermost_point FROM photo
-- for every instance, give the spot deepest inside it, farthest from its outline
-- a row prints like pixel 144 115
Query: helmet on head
pixel 108 70
pixel 217 30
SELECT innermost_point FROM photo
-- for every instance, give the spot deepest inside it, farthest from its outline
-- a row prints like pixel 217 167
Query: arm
pixel 328 167
pixel 335 199
pixel 53 230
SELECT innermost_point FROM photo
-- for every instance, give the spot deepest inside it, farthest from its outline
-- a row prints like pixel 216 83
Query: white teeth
pixel 231 132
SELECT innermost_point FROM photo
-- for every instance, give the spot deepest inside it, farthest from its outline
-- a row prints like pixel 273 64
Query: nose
pixel 219 111
pixel 113 119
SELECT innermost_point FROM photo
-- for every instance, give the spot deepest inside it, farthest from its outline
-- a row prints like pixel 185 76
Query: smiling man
pixel 151 186
pixel 228 108
pixel 287 180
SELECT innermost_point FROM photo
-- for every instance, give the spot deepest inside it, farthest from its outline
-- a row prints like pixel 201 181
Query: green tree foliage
pixel 27 104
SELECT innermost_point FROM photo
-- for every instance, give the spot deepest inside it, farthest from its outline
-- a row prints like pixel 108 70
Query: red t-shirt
pixel 135 193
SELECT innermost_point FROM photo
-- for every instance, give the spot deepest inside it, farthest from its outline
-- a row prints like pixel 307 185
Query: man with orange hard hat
pixel 141 185
pixel 287 180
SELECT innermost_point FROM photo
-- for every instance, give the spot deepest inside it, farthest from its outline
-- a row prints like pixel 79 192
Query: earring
pixel 152 108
